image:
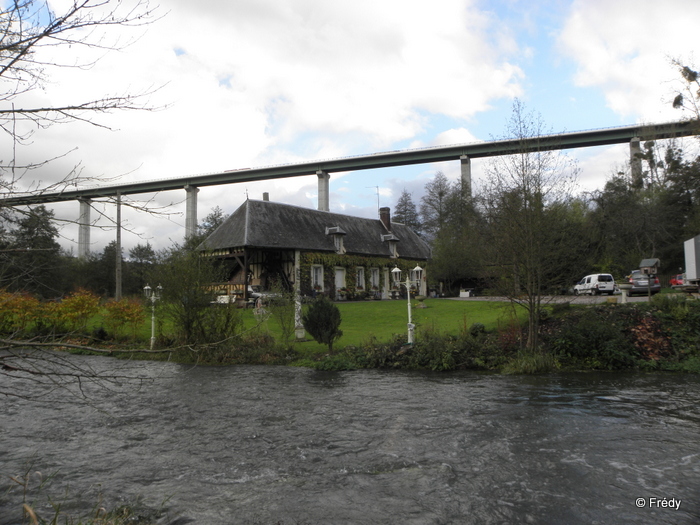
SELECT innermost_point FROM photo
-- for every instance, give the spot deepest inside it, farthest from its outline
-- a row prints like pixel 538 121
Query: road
pixel 573 299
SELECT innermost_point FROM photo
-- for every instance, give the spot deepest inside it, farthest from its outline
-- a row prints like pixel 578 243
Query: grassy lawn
pixel 362 320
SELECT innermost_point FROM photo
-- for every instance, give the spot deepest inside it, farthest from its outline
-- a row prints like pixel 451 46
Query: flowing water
pixel 280 445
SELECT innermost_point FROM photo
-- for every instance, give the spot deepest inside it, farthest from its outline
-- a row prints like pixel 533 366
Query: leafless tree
pixel 523 193
pixel 688 95
pixel 37 39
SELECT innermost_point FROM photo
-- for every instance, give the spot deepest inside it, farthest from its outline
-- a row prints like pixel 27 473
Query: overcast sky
pixel 250 83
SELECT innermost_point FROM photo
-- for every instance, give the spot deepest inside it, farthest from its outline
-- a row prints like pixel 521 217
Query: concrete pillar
pixel 466 166
pixel 84 228
pixel 191 211
pixel 323 190
pixel 636 162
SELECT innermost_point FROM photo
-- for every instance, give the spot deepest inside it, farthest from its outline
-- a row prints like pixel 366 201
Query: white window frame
pixel 317 276
pixel 339 244
pixel 375 278
pixel 360 278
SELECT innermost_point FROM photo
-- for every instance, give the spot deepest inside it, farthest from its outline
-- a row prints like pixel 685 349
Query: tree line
pixel 608 230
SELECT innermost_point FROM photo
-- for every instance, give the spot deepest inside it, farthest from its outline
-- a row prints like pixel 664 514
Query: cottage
pixel 312 251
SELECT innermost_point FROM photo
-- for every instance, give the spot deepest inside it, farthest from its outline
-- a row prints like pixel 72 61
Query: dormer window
pixel 338 234
pixel 393 241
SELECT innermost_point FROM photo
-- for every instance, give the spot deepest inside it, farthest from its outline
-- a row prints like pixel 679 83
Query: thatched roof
pixel 271 225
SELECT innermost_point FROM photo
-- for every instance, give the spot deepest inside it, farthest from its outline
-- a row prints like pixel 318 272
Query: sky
pixel 252 83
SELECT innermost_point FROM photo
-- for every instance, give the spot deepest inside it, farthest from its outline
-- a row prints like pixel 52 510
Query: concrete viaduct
pixel 322 168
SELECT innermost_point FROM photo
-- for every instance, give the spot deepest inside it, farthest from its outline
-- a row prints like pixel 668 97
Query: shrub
pixel 125 312
pixel 75 311
pixel 477 329
pixel 18 311
pixel 594 338
pixel 322 321
pixel 531 363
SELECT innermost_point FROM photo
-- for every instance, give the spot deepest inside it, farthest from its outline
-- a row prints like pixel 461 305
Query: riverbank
pixel 476 333
pixel 643 335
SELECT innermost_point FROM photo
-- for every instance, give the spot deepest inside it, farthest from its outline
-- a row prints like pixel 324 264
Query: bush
pixel 322 321
pixel 531 363
pixel 593 338
pixel 74 311
pixel 18 311
pixel 126 312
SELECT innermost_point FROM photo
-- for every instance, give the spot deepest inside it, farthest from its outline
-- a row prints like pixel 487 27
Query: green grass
pixel 363 320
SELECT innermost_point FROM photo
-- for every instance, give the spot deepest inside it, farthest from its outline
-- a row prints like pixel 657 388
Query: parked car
pixel 641 285
pixel 676 280
pixel 595 284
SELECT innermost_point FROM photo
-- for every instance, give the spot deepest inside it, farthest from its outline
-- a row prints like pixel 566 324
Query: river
pixel 282 445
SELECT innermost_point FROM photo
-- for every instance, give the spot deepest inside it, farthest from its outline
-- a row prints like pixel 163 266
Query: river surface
pixel 281 445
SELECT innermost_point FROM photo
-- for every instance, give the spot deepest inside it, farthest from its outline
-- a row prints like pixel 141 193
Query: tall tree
pixel 32 259
pixel 142 258
pixel 688 95
pixel 433 208
pixel 523 193
pixel 406 212
pixel 211 222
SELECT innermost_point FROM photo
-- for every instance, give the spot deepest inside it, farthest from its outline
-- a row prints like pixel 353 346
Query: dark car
pixel 641 285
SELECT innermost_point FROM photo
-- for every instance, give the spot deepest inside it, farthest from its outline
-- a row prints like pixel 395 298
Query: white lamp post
pixel 396 274
pixel 153 295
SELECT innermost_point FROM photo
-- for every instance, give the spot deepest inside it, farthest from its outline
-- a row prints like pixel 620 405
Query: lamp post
pixel 396 274
pixel 153 296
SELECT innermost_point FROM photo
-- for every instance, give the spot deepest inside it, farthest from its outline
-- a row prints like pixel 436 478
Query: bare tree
pixel 523 195
pixel 28 28
pixel 688 95
pixel 36 39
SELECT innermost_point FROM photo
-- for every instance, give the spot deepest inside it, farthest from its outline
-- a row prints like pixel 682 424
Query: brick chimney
pixel 385 217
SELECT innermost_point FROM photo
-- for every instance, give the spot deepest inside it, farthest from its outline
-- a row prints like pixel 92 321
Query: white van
pixel 598 283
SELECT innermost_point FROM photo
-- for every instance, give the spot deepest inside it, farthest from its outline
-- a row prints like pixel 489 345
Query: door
pixel 339 278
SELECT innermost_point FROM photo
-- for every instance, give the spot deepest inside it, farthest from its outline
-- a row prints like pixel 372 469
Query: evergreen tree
pixel 322 321
pixel 140 264
pixel 406 212
pixel 433 208
pixel 211 222
pixel 31 262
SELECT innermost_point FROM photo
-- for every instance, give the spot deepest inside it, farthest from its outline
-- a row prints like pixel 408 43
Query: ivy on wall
pixel 330 261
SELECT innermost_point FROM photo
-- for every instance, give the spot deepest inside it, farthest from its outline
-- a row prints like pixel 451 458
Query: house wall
pixel 263 264
pixel 329 262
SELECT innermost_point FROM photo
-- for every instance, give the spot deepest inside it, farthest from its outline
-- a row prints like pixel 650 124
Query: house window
pixel 339 247
pixel 317 277
pixel 393 249
pixel 360 278
pixel 374 278
pixel 338 234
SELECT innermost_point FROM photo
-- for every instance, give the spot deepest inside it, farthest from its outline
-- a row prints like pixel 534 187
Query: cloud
pixel 625 49
pixel 252 83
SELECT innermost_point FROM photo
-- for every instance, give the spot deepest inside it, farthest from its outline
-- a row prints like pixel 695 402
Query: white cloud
pixel 251 83
pixel 625 47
